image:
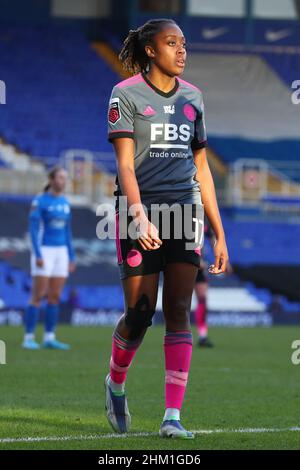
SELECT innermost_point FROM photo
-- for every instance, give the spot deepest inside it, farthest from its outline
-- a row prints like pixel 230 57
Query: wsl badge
pixel 114 113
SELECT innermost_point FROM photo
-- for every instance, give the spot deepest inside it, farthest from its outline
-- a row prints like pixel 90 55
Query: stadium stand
pixel 62 101
pixel 62 104
pixel 250 113
pixel 96 284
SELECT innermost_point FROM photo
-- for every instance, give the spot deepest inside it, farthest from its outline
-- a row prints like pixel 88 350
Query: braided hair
pixel 133 55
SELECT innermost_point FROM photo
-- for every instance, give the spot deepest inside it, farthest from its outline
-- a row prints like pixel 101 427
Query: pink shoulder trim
pixel 183 82
pixel 130 81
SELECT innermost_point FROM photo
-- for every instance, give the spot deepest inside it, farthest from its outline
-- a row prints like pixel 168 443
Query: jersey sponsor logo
pixel 170 109
pixel 169 133
pixel 57 223
pixel 59 208
pixel 114 112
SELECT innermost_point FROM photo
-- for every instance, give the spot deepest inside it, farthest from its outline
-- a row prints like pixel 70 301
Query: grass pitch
pixel 243 394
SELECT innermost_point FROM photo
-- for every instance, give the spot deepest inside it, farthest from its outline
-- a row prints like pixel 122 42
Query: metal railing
pixel 249 182
pixel 253 182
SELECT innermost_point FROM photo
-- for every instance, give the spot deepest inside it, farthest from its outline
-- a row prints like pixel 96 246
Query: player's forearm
pixel 130 188
pixel 208 193
pixel 69 242
pixel 71 251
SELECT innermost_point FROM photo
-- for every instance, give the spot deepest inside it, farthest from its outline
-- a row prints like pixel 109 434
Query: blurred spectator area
pixel 57 114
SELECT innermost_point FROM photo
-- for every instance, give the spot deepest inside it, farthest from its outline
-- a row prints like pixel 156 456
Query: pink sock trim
pixel 200 318
pixel 178 352
pixel 117 368
pixel 176 377
pixel 123 352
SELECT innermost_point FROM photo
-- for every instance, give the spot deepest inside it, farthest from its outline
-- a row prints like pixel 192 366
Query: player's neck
pixel 55 193
pixel 160 80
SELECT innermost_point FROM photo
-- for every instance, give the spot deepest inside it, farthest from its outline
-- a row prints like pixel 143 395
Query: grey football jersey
pixel 166 128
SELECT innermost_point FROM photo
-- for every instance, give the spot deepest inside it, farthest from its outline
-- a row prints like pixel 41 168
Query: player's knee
pixel 139 317
pixel 179 313
pixel 53 297
pixel 138 320
pixel 35 301
pixel 37 298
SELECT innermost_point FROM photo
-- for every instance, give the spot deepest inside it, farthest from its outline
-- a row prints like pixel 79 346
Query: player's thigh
pixel 133 260
pixel 184 243
pixel 56 285
pixel 47 256
pixel 40 285
pixel 139 269
pixel 179 282
pixel 60 268
pixel 136 288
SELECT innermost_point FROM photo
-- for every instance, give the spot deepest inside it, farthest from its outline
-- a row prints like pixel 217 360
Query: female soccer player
pixel 51 260
pixel 156 125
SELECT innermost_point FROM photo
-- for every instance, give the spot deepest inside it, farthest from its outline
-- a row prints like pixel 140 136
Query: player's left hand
pixel 221 257
pixel 72 267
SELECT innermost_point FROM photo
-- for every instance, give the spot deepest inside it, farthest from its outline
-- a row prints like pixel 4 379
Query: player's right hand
pixel 40 263
pixel 148 235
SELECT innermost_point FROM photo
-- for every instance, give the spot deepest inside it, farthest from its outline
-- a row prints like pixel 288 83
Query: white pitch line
pixel 94 437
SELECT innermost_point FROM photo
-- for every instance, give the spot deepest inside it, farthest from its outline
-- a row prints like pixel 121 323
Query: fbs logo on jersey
pixel 114 112
pixel 169 132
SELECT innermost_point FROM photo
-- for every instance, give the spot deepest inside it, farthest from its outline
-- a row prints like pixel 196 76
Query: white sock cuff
pixel 172 413
pixel 116 387
pixel 49 336
pixel 29 336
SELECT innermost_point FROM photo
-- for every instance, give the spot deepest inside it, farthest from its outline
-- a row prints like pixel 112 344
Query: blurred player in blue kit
pixel 52 258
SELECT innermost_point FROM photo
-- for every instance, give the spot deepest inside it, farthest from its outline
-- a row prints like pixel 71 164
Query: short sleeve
pixel 120 115
pixel 200 137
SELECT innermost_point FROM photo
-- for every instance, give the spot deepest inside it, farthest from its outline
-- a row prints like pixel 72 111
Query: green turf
pixel 246 381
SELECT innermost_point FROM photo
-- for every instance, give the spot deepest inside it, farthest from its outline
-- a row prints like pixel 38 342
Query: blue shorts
pixel 133 260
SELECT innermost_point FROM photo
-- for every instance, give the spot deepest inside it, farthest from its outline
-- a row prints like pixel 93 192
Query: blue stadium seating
pixel 262 242
pixel 15 291
pixel 57 89
pixel 15 284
